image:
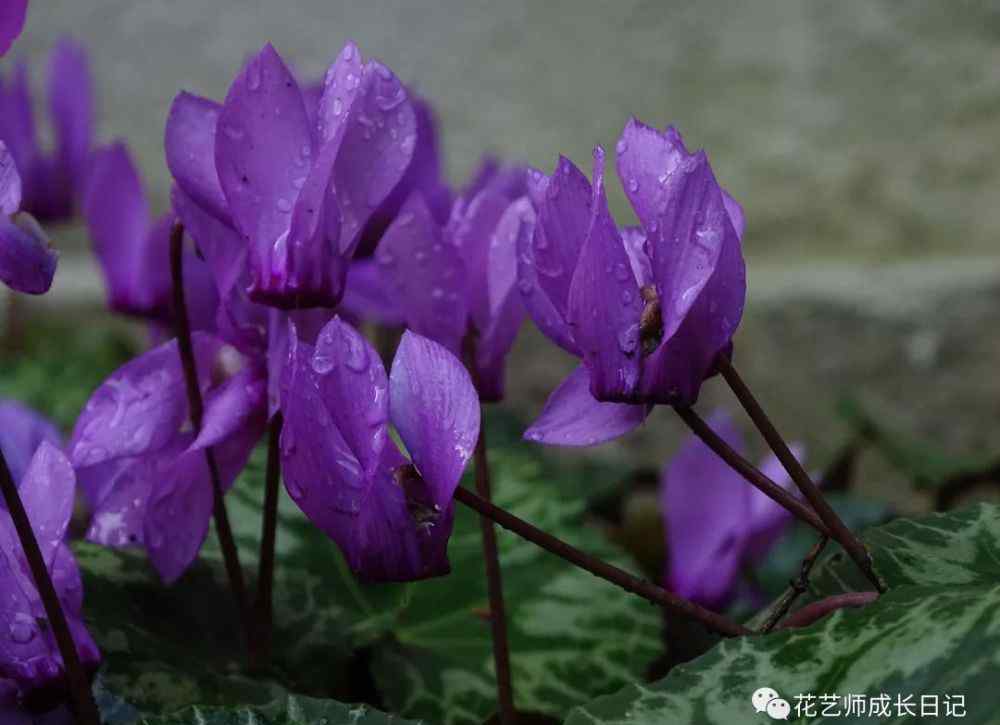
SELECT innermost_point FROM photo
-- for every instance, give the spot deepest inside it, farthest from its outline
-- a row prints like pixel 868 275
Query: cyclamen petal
pixel 10 182
pixel 27 261
pixel 435 408
pixel 365 295
pixel 140 407
pixel 11 22
pixel 22 431
pixel 189 142
pixel 47 491
pixel 238 403
pixel 426 275
pixel 705 508
pixel 604 312
pixel 573 417
pixel 71 108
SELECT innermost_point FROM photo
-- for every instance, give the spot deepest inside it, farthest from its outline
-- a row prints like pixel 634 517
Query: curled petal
pixel 354 388
pixel 189 142
pixel 11 22
pixel 705 510
pixel 22 431
pixel 27 261
pixel 71 104
pixel 435 408
pixel 140 407
pixel 605 305
pixel 573 417
pixel 425 275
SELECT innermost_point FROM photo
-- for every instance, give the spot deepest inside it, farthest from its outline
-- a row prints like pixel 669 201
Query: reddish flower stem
pixel 182 329
pixel 817 610
pixel 750 472
pixel 629 582
pixel 261 650
pixel 837 528
pixel 83 703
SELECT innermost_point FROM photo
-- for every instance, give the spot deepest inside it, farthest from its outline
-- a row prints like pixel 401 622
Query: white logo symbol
pixel 762 696
pixel 767 699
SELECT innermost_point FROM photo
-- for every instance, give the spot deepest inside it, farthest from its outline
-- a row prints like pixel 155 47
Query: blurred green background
pixel 861 138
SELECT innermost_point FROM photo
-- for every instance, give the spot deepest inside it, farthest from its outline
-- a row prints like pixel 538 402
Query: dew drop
pixel 621 147
pixel 284 206
pixel 633 185
pixel 22 630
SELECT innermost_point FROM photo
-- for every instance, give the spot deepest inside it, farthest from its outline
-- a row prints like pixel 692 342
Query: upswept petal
pixel 17 119
pixel 425 275
pixel 140 407
pixel 238 403
pixel 71 107
pixel 605 305
pixel 365 295
pixel 573 417
pixel 379 140
pixel 435 408
pixel 11 22
pixel 263 148
pixel 27 261
pixel 767 519
pixel 355 389
pixel 189 142
pixel 705 506
pixel 471 230
pixel 22 430
pixel 47 492
pixel 563 202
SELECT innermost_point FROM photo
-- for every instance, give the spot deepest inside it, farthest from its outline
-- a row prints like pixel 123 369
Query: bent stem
pixel 838 529
pixel 261 649
pixel 83 705
pixel 599 568
pixel 797 587
pixel 750 472
pixel 182 329
pixel 817 610
pixel 494 585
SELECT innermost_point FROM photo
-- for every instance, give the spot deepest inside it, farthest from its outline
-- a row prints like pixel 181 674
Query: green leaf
pixel 936 632
pixel 923 464
pixel 290 711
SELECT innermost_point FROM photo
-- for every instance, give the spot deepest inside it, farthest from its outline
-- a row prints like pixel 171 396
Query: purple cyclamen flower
pixel 12 16
pixel 391 517
pixel 648 308
pixel 53 182
pixel 715 523
pixel 143 471
pixel 29 657
pixel 27 262
pixel 133 249
pixel 299 184
pixel 456 281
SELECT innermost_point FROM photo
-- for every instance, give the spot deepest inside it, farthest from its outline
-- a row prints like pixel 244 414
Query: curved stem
pixel 629 582
pixel 797 587
pixel 182 329
pixel 494 585
pixel 84 706
pixel 838 529
pixel 750 472
pixel 817 610
pixel 265 576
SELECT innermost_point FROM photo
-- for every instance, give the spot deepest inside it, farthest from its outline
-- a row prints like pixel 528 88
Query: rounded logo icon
pixel 778 709
pixel 762 696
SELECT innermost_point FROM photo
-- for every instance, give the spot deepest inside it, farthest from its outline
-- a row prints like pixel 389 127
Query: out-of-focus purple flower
pixel 12 16
pixel 29 656
pixel 52 182
pixel 27 261
pixel 22 431
pixel 134 249
pixel 143 471
pixel 648 309
pixel 455 282
pixel 716 524
pixel 299 189
pixel 392 517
